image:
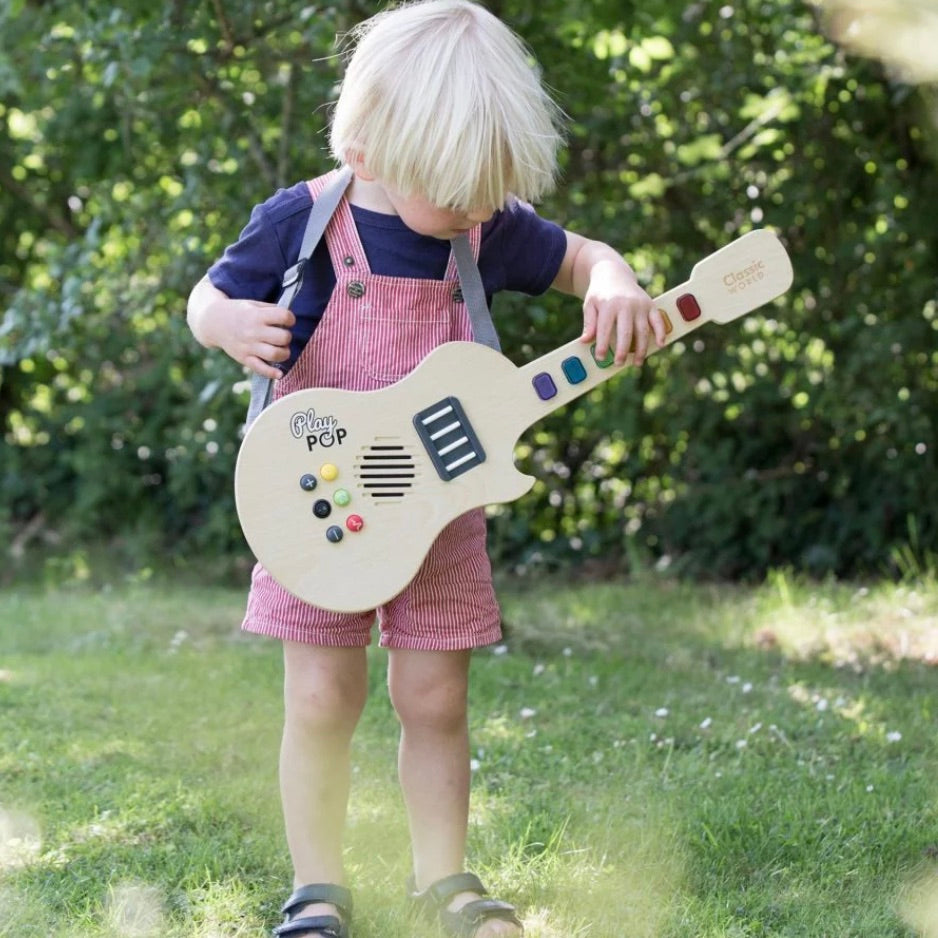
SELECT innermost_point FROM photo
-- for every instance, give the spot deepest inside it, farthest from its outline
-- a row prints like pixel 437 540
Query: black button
pixel 322 508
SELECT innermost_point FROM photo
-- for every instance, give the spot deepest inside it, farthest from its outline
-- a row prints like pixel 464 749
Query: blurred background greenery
pixel 135 137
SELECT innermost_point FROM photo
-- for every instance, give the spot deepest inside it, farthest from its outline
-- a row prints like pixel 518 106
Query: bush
pixel 802 436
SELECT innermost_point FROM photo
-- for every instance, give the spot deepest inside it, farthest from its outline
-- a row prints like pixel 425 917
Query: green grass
pixel 653 759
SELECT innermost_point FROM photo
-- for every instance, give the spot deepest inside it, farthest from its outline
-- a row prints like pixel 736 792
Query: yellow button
pixel 329 472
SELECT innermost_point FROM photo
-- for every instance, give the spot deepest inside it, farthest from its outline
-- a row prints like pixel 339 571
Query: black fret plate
pixel 451 443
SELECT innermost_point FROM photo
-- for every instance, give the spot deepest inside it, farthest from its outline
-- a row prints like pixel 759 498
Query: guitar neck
pixel 572 369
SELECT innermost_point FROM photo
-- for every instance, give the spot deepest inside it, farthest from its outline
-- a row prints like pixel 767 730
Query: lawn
pixel 651 758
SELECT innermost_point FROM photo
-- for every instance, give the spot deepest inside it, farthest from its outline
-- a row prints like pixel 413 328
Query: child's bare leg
pixel 429 692
pixel 324 693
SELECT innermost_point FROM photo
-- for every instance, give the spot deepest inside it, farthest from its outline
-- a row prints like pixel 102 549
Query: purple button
pixel 544 385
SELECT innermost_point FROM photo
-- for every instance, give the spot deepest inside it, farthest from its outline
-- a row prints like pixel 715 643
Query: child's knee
pixel 436 705
pixel 320 697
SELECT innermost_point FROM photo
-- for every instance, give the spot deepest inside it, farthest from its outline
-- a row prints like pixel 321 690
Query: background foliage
pixel 135 138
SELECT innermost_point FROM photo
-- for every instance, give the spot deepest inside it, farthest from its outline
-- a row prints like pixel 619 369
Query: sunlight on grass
pixel 918 904
pixel 622 880
pixel 838 623
pixel 648 761
pixel 20 840
pixel 845 625
pixel 223 910
pixel 134 910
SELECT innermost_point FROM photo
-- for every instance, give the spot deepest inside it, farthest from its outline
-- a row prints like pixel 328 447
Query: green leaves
pixel 134 141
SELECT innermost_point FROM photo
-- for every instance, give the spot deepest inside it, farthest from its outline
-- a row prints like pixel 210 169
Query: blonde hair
pixel 441 100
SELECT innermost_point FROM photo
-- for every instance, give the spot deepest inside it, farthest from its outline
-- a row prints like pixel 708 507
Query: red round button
pixel 354 522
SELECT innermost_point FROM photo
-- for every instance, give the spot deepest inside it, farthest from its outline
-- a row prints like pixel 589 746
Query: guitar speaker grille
pixel 386 471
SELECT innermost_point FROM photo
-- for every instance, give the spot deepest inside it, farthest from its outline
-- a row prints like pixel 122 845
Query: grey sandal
pixel 466 921
pixel 317 926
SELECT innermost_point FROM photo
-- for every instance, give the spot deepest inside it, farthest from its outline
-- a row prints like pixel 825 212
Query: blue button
pixel 573 369
pixel 544 385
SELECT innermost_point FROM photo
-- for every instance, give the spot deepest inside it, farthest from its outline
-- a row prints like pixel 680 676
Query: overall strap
pixel 473 291
pixel 322 211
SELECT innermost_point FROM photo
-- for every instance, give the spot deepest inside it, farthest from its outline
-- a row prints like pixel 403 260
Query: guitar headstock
pixel 742 276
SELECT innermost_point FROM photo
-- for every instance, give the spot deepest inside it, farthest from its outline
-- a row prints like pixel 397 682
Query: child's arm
pixel 616 309
pixel 253 333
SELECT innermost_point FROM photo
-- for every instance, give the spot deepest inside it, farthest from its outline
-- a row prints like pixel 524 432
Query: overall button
pixel 307 482
pixel 544 385
pixel 348 260
pixel 573 369
pixel 334 533
pixel 341 497
pixel 355 289
pixel 354 522
pixel 322 508
pixel 329 472
pixel 457 295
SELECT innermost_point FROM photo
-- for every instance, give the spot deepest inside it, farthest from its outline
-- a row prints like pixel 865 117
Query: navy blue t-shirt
pixel 520 251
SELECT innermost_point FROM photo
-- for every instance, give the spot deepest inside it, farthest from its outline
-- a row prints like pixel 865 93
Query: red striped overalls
pixel 375 330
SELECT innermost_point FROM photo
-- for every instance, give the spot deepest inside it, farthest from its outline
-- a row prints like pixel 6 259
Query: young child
pixel 448 131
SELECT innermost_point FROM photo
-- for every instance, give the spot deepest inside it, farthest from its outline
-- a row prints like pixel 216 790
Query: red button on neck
pixel 688 307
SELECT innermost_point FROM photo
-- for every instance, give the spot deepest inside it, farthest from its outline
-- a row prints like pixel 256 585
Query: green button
pixel 607 361
pixel 341 497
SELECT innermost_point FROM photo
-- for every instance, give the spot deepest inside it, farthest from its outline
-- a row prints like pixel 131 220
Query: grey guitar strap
pixel 473 291
pixel 323 209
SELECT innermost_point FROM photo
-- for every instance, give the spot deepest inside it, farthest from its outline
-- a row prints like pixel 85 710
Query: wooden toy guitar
pixel 340 494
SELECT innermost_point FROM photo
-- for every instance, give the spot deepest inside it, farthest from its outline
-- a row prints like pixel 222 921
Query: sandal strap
pixel 467 920
pixel 338 896
pixel 321 926
pixel 442 891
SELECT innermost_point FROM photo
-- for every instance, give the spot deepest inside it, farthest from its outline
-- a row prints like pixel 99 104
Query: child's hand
pixel 254 334
pixel 618 313
pixel 257 335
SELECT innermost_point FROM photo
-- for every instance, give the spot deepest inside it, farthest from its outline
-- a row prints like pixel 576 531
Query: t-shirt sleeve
pixel 252 268
pixel 522 251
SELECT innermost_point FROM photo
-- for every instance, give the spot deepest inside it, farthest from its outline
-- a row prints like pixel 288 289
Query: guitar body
pixel 341 494
pixel 381 471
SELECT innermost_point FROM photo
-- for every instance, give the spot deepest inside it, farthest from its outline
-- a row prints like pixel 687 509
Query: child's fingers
pixel 280 338
pixel 636 339
pixel 656 319
pixel 589 323
pixel 625 332
pixel 263 368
